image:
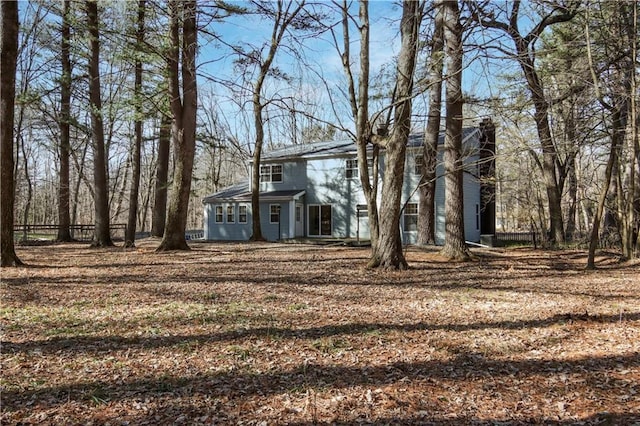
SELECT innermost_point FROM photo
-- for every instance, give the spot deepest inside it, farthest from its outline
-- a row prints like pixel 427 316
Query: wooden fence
pixel 42 232
pixel 524 238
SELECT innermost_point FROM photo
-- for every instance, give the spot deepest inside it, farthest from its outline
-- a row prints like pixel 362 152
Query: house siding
pixel 294 176
pixel 323 178
pixel 327 184
pixel 470 192
pixel 224 230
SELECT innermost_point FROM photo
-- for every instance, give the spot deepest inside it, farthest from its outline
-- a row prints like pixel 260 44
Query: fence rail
pixel 47 232
pixel 518 236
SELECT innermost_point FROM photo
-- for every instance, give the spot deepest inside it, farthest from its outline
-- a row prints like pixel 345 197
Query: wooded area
pixel 264 333
pixel 123 115
pixel 98 85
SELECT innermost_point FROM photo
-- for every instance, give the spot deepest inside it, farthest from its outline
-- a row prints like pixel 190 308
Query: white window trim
pixel 417 171
pixel 246 213
pixel 233 213
pixel 405 215
pixel 268 176
pixel 271 214
pixel 355 173
pixel 281 173
pixel 215 213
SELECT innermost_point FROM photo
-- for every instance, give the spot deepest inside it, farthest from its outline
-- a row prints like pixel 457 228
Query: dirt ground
pixel 268 334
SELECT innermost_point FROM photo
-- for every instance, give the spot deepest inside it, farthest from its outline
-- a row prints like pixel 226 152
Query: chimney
pixel 487 177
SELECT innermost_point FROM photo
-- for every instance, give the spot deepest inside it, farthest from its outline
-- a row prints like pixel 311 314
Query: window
pixel 271 173
pixel 418 163
pixel 242 214
pixel 410 217
pixel 265 173
pixel 274 213
pixel 276 173
pixel 219 217
pixel 352 168
pixel 231 214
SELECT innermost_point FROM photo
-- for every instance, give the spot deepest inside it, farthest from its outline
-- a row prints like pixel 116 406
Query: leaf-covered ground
pixel 298 334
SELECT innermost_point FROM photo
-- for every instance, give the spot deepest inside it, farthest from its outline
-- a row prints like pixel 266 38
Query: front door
pixel 320 220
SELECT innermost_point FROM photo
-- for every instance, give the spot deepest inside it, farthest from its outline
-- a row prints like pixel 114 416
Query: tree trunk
pixel 100 183
pixel 9 49
pixel 283 18
pixel 454 244
pixel 130 234
pixel 427 189
pixel 549 160
pixel 27 178
pixel 184 111
pixel 159 214
pixel 359 103
pixel 388 252
pixel 64 218
pixel 597 217
pixel 256 234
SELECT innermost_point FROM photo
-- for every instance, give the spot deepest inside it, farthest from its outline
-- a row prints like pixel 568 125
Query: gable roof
pixel 344 147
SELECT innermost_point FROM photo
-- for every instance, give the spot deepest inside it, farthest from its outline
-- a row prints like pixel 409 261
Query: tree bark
pixel 159 214
pixel 454 244
pixel 130 234
pixel 9 49
pixel 427 190
pixel 256 234
pixel 388 252
pixel 597 217
pixel 100 182
pixel 64 218
pixel 184 111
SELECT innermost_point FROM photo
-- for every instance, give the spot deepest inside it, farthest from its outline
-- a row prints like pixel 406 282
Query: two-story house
pixel 314 191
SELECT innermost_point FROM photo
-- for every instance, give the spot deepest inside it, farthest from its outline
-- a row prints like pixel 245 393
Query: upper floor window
pixel 410 217
pixel 418 164
pixel 272 173
pixel 351 168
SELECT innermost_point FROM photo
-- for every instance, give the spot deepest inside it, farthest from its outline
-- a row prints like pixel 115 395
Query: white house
pixel 314 191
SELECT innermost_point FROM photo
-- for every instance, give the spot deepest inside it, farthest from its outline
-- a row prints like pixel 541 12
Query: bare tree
pixel 100 183
pixel 283 18
pixel 130 234
pixel 454 242
pixel 524 54
pixel 358 96
pixel 184 108
pixel 388 252
pixel 427 188
pixel 159 214
pixel 64 217
pixel 9 50
pixel 614 82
